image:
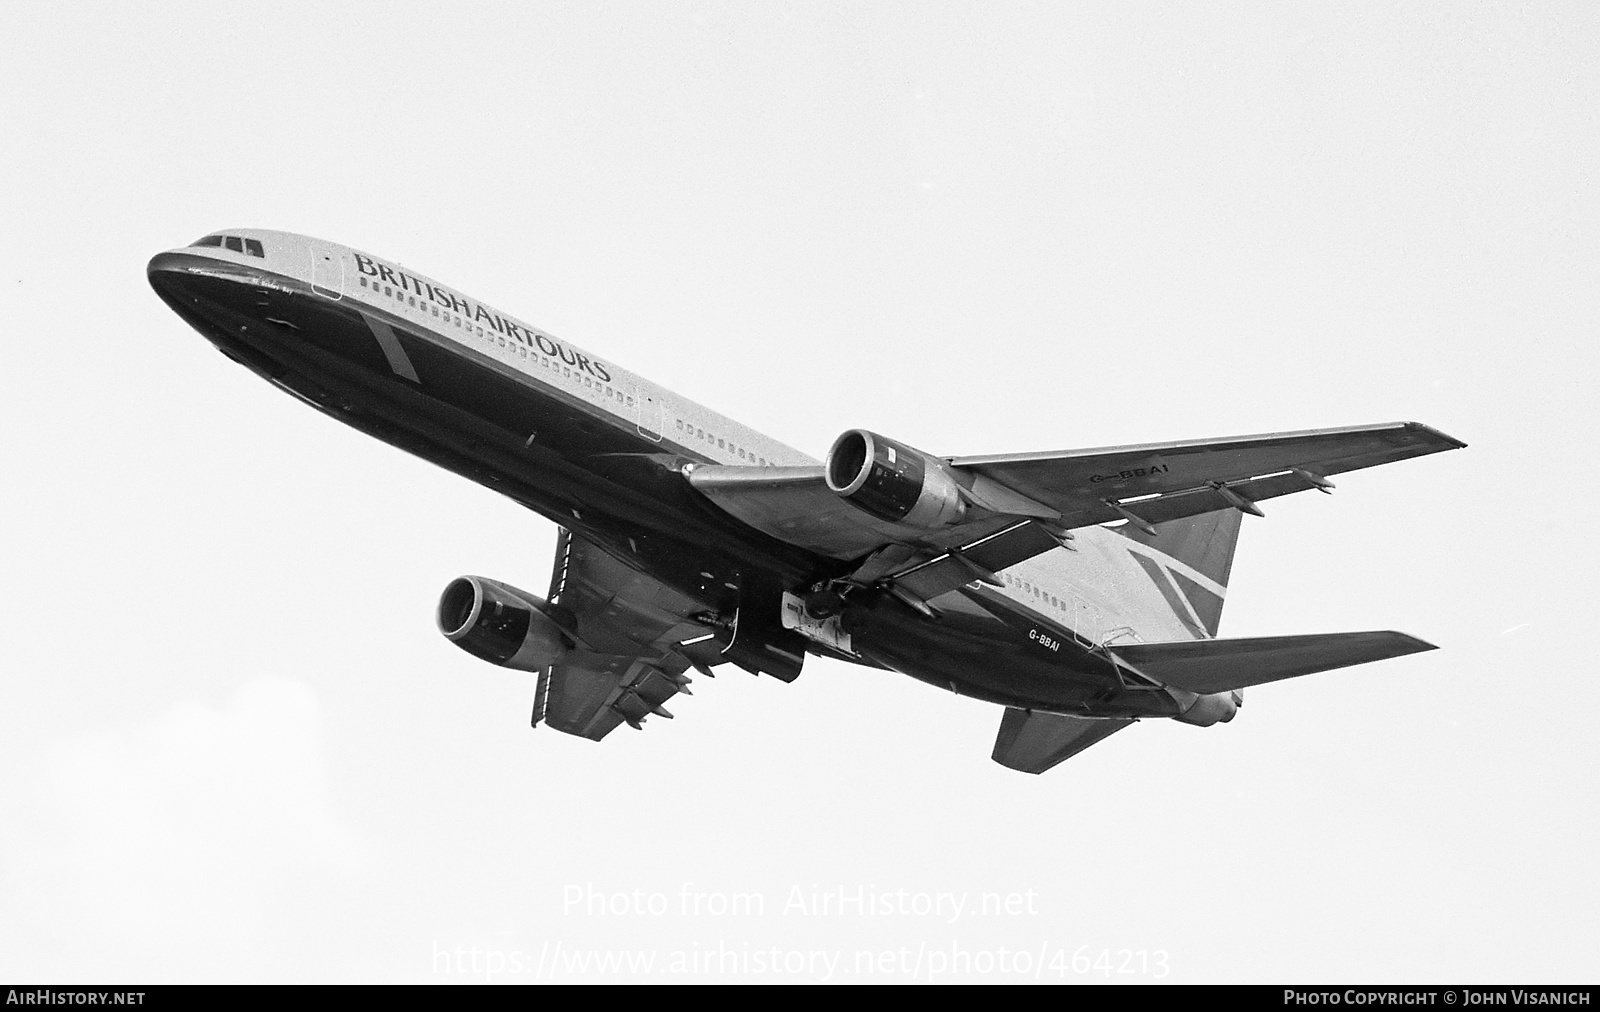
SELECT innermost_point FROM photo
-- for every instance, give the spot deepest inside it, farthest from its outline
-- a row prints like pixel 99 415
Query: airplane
pixel 1080 590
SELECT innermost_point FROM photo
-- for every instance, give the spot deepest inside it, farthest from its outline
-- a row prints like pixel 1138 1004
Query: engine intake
pixel 893 481
pixel 500 624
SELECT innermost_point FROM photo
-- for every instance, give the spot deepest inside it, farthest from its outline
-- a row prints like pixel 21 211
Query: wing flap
pixel 590 694
pixel 1207 666
pixel 1209 499
pixel 1034 742
pixel 977 561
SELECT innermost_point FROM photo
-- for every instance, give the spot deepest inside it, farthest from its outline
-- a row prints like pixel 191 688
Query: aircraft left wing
pixel 1149 483
pixel 628 629
pixel 1021 505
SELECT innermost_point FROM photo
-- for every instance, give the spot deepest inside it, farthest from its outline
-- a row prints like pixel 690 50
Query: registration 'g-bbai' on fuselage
pixel 1081 590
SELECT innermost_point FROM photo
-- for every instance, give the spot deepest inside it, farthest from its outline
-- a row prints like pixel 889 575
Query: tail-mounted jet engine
pixel 1213 708
pixel 893 481
pixel 501 624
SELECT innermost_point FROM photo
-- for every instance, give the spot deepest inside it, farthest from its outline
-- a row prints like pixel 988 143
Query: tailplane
pixel 1208 666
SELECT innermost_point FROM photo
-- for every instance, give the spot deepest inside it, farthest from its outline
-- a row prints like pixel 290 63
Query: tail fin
pixel 1203 543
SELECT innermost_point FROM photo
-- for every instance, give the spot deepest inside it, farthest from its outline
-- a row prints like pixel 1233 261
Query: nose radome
pixel 166 263
pixel 166 272
pixel 182 278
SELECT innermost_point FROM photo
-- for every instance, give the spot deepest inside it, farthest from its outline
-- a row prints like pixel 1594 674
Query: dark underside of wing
pixel 629 629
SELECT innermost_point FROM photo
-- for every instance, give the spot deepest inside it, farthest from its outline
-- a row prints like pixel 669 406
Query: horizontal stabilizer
pixel 1034 742
pixel 1207 666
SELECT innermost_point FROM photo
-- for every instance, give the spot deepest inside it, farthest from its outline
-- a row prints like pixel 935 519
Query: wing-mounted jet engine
pixel 893 481
pixel 870 493
pixel 500 624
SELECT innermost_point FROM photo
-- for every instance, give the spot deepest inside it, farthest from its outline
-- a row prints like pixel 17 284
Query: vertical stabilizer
pixel 1203 544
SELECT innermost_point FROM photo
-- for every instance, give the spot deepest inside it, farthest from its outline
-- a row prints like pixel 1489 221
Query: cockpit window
pixel 235 243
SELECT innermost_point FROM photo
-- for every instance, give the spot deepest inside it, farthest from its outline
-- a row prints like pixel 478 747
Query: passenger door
pixel 327 273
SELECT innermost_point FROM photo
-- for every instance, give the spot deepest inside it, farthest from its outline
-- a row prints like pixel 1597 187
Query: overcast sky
pixel 233 745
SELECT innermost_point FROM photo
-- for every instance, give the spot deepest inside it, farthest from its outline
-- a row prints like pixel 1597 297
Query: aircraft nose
pixel 180 277
pixel 167 272
pixel 165 268
pixel 194 286
pixel 168 261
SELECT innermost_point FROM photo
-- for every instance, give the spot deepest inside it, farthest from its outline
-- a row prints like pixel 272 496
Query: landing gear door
pixel 761 643
pixel 327 273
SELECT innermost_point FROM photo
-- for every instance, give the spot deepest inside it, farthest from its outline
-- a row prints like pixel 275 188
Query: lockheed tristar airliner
pixel 1080 590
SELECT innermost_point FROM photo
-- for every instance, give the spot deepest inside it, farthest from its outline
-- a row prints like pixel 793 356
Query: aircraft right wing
pixel 629 630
